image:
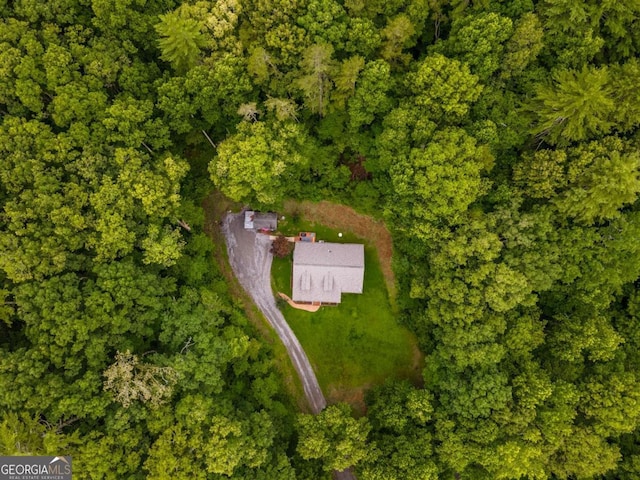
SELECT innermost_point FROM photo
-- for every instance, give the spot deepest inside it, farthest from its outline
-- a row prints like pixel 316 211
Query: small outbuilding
pixel 265 221
pixel 322 272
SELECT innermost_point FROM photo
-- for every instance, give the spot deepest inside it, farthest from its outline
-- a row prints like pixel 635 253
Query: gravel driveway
pixel 250 259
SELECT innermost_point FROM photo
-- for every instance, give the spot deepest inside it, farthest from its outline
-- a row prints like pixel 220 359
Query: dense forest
pixel 499 141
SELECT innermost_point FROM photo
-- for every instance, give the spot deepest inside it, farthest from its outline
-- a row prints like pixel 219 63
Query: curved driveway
pixel 250 259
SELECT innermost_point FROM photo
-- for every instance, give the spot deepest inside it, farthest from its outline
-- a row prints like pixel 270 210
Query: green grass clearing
pixel 291 226
pixel 358 343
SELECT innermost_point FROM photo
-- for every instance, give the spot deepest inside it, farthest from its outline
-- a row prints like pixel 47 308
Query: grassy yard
pixel 358 343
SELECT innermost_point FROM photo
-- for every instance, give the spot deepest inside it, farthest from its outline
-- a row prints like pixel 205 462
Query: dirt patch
pixel 352 396
pixel 417 361
pixel 215 206
pixel 345 218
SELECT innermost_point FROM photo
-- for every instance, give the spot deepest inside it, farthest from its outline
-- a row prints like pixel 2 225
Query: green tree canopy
pixel 259 161
pixel 334 437
pixel 180 40
pixel 574 106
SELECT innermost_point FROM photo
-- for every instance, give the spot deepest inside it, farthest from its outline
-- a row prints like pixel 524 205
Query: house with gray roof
pixel 322 272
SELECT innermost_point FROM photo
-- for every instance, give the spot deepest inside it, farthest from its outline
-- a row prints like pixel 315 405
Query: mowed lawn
pixel 358 343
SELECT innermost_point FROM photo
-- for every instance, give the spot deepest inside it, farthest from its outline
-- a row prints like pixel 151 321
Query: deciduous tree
pixel 316 84
pixel 259 161
pixel 437 184
pixel 444 89
pixel 334 437
pixel 131 380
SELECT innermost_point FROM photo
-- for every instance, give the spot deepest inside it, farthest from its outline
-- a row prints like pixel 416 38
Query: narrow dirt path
pixel 250 260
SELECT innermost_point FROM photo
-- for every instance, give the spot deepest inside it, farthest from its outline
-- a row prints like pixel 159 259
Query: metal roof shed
pixel 260 220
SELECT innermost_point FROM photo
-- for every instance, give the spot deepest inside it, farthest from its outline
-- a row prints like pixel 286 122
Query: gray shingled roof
pixel 329 254
pixel 323 271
